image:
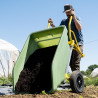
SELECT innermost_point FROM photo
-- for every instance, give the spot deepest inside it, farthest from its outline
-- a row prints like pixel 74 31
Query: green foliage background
pixel 90 80
pixel 89 70
pixel 6 80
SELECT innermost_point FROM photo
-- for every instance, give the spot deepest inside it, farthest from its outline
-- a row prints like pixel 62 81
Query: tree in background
pixel 92 67
pixel 89 70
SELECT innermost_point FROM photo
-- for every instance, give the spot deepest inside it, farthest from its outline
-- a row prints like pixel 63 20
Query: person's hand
pixel 50 21
pixel 72 13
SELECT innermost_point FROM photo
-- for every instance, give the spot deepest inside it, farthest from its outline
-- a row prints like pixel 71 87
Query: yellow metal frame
pixel 72 42
pixel 48 26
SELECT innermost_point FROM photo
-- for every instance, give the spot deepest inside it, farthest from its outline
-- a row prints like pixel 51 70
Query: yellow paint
pixel 71 42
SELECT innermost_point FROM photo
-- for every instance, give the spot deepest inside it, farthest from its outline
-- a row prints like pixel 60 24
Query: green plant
pixel 6 80
pixel 43 92
pixel 80 97
pixel 91 81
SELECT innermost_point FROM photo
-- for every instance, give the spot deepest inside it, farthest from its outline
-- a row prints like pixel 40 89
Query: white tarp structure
pixel 95 73
pixel 8 57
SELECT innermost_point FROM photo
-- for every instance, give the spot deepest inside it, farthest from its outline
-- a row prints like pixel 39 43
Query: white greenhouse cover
pixel 8 57
pixel 95 73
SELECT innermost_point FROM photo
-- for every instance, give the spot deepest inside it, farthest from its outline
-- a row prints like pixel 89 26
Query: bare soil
pixel 89 92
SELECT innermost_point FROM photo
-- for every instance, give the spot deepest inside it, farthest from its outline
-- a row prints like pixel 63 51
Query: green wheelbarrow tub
pixel 45 40
pixel 36 75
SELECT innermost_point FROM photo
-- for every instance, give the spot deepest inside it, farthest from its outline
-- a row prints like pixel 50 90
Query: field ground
pixel 89 92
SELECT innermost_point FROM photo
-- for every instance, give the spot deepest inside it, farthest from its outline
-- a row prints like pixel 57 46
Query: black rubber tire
pixel 77 82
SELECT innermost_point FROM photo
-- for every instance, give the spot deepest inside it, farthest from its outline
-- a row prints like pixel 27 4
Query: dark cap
pixel 68 7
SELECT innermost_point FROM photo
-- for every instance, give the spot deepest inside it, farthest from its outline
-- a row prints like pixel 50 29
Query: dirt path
pixel 89 92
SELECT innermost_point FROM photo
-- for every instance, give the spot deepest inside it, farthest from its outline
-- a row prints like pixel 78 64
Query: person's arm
pixel 52 25
pixel 77 24
pixel 51 22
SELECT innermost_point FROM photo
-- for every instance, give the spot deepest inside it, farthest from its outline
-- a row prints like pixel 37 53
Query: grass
pixel 6 80
pixel 91 81
pixel 87 81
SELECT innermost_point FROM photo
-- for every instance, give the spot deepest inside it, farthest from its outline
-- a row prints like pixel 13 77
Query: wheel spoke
pixel 79 82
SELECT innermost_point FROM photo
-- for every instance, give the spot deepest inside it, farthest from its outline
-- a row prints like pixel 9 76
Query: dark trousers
pixel 75 59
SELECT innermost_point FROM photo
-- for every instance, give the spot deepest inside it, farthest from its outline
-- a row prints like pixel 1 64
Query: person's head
pixel 67 9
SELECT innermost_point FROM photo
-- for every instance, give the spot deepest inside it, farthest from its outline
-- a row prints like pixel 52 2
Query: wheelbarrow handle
pixel 48 26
